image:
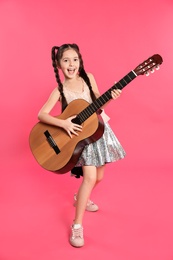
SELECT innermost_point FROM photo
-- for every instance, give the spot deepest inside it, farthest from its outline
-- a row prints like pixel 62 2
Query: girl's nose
pixel 71 63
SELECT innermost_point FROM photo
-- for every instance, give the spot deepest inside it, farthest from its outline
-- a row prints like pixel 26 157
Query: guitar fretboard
pixel 103 99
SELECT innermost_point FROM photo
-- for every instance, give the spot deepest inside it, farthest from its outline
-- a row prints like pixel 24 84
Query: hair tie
pixel 53 52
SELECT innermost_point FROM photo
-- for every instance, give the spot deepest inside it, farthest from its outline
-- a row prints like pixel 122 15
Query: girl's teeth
pixel 71 71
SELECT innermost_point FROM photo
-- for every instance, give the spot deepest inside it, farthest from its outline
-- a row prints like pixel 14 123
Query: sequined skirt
pixel 105 150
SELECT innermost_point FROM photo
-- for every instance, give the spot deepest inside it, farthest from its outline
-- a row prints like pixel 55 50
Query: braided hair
pixel 57 53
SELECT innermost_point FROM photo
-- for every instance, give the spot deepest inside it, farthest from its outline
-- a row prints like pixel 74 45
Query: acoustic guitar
pixel 53 148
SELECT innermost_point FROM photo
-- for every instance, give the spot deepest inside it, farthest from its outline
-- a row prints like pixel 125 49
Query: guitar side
pixel 70 149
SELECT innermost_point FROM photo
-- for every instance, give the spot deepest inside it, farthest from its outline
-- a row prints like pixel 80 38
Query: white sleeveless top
pixel 84 94
pixel 72 95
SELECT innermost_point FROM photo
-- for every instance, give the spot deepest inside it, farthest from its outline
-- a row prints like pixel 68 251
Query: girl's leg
pixel 91 206
pixel 91 176
pixel 89 181
pixel 100 174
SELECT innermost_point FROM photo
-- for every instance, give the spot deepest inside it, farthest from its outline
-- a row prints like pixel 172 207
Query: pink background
pixel 135 198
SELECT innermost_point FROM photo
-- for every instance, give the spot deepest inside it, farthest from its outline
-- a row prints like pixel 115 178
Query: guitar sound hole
pixel 76 120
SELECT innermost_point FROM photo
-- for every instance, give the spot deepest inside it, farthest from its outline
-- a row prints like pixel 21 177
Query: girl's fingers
pixel 115 93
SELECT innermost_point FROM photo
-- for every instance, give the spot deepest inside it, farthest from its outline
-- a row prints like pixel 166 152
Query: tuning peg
pixel 157 67
pixel 152 70
pixel 147 73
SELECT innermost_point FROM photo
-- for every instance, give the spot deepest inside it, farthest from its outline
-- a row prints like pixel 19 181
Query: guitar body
pixel 69 149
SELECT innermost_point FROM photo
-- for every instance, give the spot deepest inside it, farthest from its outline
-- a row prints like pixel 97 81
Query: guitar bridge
pixel 52 142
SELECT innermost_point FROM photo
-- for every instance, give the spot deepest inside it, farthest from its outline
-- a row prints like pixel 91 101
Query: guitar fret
pixel 99 102
pixel 82 117
pixel 86 113
pixel 125 81
pixel 128 77
pixel 107 94
pixel 122 81
pixel 118 85
pixel 132 75
pixel 94 105
pixel 103 99
pixel 90 112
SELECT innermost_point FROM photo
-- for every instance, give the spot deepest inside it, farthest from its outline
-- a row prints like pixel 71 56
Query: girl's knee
pixel 90 175
pixel 90 180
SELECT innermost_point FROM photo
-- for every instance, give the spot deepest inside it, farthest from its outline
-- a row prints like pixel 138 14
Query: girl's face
pixel 69 63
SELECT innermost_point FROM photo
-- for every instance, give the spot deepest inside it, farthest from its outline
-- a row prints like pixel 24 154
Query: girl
pixel 79 84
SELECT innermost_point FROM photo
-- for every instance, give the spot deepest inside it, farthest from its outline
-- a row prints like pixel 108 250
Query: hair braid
pixel 60 85
pixel 84 75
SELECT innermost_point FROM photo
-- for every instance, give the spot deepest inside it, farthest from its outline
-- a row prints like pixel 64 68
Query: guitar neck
pixel 103 99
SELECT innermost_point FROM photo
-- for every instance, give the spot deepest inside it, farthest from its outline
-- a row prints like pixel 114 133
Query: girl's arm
pixel 45 117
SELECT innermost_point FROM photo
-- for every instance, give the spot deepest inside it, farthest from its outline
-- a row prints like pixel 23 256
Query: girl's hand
pixel 70 127
pixel 115 93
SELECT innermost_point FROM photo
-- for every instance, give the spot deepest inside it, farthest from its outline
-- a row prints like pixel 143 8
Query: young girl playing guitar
pixel 77 84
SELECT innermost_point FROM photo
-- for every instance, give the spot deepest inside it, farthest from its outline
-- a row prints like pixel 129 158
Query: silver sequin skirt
pixel 105 150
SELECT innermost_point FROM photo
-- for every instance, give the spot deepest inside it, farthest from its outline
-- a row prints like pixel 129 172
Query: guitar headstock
pixel 149 65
